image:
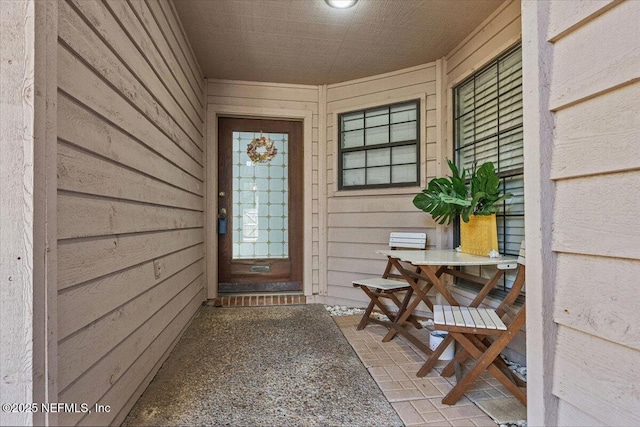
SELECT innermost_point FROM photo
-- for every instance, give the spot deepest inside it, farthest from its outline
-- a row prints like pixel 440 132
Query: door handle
pixel 222 221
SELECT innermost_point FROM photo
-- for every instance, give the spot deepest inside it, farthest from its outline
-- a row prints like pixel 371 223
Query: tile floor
pixel 417 400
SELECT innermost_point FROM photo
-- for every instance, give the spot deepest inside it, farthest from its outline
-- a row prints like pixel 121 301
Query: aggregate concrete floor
pixel 263 366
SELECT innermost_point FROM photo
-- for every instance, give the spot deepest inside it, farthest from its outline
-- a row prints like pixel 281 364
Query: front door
pixel 260 205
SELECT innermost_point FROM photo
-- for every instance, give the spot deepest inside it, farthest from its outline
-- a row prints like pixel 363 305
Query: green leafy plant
pixel 450 197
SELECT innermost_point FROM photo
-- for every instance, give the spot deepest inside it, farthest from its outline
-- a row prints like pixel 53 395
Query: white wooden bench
pixel 455 318
pixel 390 282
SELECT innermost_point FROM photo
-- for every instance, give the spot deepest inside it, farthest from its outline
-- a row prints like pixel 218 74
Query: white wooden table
pixel 444 262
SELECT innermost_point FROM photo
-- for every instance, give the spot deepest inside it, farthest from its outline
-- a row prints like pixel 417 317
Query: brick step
pixel 257 300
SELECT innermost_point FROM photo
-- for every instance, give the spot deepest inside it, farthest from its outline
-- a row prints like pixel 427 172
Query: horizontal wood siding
pixel 593 99
pixel 500 31
pixel 130 199
pixel 602 387
pixel 359 222
pixel 271 97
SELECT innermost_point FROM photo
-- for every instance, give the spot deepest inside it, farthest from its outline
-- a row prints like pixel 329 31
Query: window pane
pixel 465 98
pixel 403 113
pixel 515 186
pixel 403 173
pixel 353 160
pixel 379 157
pixel 510 243
pixel 466 158
pixel 511 150
pixel 353 139
pixel 379 175
pixel 377 117
pixel 353 177
pixel 511 110
pixel 487 151
pixel 405 154
pixel 403 132
pixel 511 72
pixel 379 135
pixel 486 86
pixel 486 122
pixel 352 121
pixel 465 130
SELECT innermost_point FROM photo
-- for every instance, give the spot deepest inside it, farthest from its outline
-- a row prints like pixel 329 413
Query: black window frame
pixel 414 142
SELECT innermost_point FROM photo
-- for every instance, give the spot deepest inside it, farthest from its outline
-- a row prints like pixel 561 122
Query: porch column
pixel 537 55
pixel 28 41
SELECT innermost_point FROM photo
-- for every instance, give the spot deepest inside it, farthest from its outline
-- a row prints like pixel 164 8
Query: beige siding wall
pixel 359 221
pixel 277 101
pixel 589 127
pixel 594 97
pixel 130 198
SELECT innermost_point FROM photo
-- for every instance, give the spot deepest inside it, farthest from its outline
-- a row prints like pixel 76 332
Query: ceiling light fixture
pixel 341 4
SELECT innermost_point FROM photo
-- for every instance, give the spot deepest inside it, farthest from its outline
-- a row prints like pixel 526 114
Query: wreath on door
pixel 261 156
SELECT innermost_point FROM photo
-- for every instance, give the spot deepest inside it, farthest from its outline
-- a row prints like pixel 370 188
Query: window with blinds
pixel 379 147
pixel 488 127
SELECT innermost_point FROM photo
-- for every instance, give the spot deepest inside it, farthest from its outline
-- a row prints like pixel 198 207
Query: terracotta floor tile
pixel 390 386
pixel 397 395
pixel 461 411
pixel 411 368
pixel 424 406
pixel 437 403
pixel 478 395
pixel 428 389
pixel 434 417
pixel 440 380
pixel 383 362
pixel 462 422
pixel 396 373
pixel 484 421
pixel 494 393
pixel 407 413
pixel 438 423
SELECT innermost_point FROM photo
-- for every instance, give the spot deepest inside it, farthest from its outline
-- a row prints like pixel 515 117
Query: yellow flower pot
pixel 479 236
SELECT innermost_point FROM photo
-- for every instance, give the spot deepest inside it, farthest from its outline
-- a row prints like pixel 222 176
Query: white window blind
pixel 488 127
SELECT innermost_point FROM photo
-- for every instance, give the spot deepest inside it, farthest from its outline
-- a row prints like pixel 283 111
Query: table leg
pixel 421 296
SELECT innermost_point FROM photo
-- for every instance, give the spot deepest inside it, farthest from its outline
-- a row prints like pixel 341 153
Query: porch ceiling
pixel 307 42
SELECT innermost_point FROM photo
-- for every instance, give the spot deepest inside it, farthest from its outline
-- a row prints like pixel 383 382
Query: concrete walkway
pixel 263 366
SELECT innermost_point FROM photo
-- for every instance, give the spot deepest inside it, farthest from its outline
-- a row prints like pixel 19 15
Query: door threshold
pixel 258 300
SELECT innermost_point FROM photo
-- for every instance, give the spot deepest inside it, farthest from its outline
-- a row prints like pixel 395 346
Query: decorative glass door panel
pixel 260 199
pixel 259 205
